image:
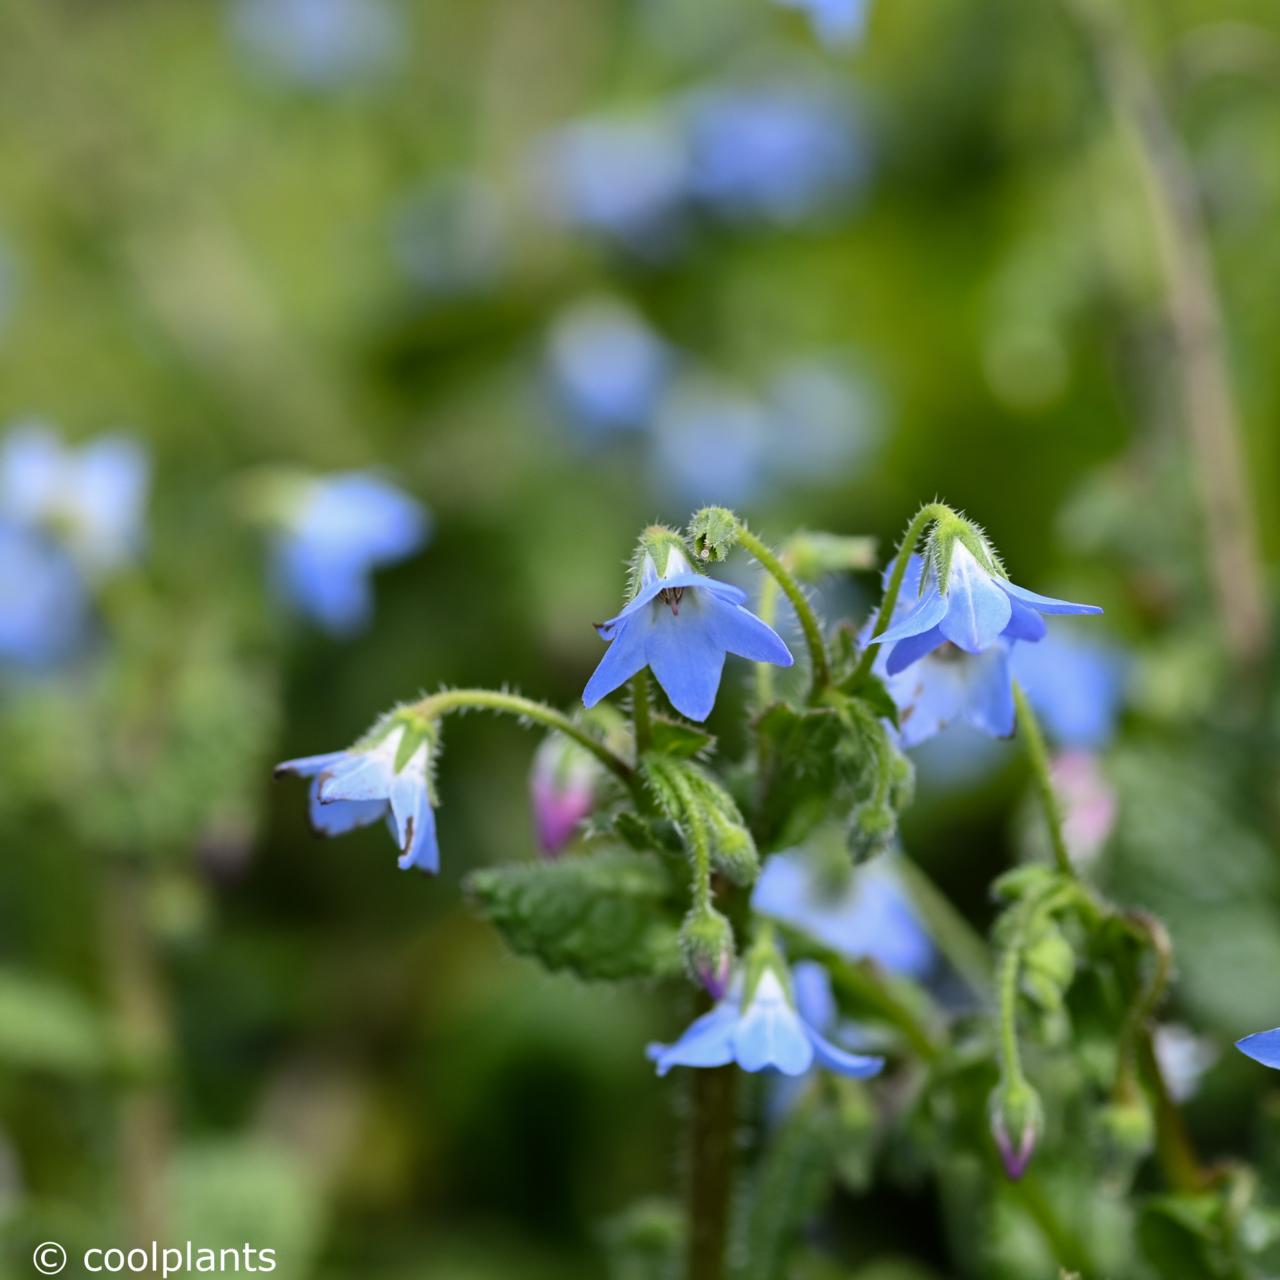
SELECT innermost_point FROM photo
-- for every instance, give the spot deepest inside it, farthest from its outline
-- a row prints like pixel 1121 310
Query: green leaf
pixel 1180 1236
pixel 607 916
pixel 49 1027
pixel 798 750
pixel 678 738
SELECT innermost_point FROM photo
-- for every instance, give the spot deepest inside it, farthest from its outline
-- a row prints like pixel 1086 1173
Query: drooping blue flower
pixel 43 602
pixel 90 499
pixel 342 528
pixel 319 43
pixel 973 610
pixel 783 152
pixel 868 916
pixel 623 177
pixel 607 365
pixel 837 23
pixel 946 684
pixel 1263 1047
pixel 1076 686
pixel 362 785
pixel 681 624
pixel 773 1023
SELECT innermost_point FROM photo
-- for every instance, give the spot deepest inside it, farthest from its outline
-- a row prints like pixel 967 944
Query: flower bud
pixel 872 829
pixel 713 531
pixel 706 942
pixel 561 791
pixel 1017 1119
pixel 1128 1127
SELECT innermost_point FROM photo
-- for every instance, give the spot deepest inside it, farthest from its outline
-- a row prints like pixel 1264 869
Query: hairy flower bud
pixel 713 531
pixel 1017 1119
pixel 872 828
pixel 706 942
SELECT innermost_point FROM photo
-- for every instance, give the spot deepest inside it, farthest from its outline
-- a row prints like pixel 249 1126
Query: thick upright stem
pixel 795 594
pixel 1194 311
pixel 141 1016
pixel 1038 755
pixel 711 1139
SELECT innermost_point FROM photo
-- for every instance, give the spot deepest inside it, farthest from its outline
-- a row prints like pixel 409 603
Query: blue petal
pixel 1262 1046
pixel 1025 624
pixel 337 819
pixel 326 585
pixel 838 1060
pixel 977 610
pixel 912 649
pixel 816 1004
pixel 929 696
pixel 989 699
pixel 362 519
pixel 739 631
pixel 923 616
pixel 770 1033
pixel 689 581
pixel 686 660
pixel 623 658
pixel 1044 604
pixel 707 1042
pixel 360 775
pixel 309 766
pixel 415 820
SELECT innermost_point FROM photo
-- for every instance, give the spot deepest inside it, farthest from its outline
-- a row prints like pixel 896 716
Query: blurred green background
pixel 335 234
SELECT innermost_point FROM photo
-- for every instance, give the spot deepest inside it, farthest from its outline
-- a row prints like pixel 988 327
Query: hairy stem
pixel 922 519
pixel 1038 756
pixel 512 704
pixel 804 610
pixel 711 1137
pixel 1195 318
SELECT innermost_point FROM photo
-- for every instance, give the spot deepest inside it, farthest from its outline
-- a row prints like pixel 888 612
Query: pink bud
pixel 715 974
pixel 561 791
pixel 1014 1158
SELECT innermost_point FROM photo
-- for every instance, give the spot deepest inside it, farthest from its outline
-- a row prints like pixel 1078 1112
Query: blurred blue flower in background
pixel 866 913
pixel 43 603
pixel 319 43
pixel 337 530
pixel 624 177
pixel 606 364
pixel 767 1027
pixel 682 624
pixel 837 23
pixel 827 420
pixel 363 784
pixel 783 151
pixel 449 237
pixel 712 443
pixel 1076 686
pixel 90 499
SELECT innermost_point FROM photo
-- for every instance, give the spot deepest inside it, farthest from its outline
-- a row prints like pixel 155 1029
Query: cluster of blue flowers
pixel 69 519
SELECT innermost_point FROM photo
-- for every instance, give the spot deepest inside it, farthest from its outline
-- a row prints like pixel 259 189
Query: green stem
pixel 927 514
pixel 512 704
pixel 1007 1011
pixel 641 716
pixel 804 610
pixel 699 845
pixel 710 1170
pixel 1038 756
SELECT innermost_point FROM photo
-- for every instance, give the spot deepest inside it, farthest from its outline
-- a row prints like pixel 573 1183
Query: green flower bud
pixel 706 943
pixel 1128 1127
pixel 872 828
pixel 1017 1119
pixel 713 531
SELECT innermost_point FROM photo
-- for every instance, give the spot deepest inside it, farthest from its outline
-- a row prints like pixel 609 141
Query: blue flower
pixel 837 23
pixel 344 527
pixel 868 916
pixel 607 365
pixel 43 603
pixel 1075 685
pixel 774 1023
pixel 782 152
pixel 92 500
pixel 363 784
pixel 319 43
pixel 681 625
pixel 1262 1046
pixel 973 610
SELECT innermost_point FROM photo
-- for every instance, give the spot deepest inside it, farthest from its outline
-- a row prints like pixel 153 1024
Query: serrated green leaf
pixel 608 916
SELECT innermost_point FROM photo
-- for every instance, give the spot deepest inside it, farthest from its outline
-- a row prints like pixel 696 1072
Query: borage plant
pixel 675 836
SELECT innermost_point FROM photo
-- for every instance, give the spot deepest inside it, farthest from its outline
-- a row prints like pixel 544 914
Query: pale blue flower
pixel 607 365
pixel 868 916
pixel 90 499
pixel 681 624
pixel 1076 686
pixel 341 528
pixel 362 785
pixel 837 23
pixel 763 1027
pixel 43 603
pixel 782 151
pixel 319 43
